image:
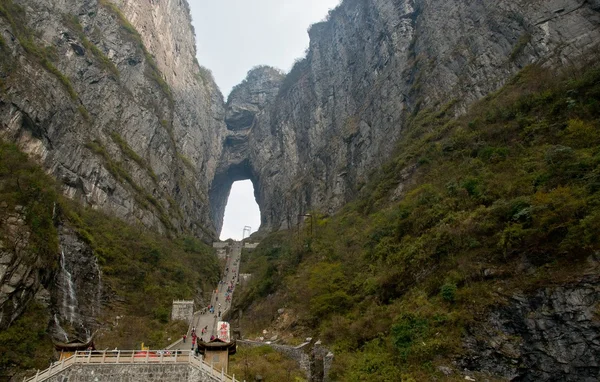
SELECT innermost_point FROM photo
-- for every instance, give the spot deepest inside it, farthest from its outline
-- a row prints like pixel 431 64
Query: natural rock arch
pixel 221 188
pixel 245 103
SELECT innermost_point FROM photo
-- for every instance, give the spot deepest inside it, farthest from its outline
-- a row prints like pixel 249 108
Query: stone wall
pixel 183 310
pixel 133 373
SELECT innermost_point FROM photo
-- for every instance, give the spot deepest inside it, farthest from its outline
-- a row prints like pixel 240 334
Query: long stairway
pixel 205 319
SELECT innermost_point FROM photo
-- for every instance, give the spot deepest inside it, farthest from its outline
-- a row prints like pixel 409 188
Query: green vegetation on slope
pixel 250 362
pixel 25 188
pixel 142 272
pixel 26 344
pixel 146 272
pixel 24 184
pixel 392 281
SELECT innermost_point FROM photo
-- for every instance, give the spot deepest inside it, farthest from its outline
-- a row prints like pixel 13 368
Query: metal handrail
pixel 130 357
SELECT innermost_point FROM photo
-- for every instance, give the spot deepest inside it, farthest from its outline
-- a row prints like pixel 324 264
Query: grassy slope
pixel 142 272
pixel 508 190
pixel 248 363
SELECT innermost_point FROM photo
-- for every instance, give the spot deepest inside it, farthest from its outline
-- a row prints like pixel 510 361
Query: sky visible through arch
pixel 235 35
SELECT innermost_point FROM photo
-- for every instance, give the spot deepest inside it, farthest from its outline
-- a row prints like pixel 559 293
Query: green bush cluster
pixel 248 363
pixel 520 46
pixel 26 343
pixel 391 285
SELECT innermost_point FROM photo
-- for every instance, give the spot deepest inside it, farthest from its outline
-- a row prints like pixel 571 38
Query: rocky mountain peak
pixel 251 96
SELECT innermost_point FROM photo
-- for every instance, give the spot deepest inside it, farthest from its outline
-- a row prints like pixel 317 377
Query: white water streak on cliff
pixel 69 295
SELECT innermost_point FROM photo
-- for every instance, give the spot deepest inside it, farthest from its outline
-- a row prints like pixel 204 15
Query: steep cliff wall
pixel 121 113
pixel 110 99
pixel 372 65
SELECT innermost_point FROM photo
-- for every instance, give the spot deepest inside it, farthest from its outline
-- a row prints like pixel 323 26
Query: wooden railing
pixel 132 357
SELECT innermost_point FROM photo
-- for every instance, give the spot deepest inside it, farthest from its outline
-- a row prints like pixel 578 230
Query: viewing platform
pixel 133 366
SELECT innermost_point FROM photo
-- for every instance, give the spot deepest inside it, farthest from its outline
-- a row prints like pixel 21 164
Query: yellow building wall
pixel 219 359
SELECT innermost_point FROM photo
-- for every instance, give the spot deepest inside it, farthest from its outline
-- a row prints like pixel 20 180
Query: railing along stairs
pixel 131 357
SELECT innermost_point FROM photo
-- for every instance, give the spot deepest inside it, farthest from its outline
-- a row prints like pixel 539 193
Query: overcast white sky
pixel 235 35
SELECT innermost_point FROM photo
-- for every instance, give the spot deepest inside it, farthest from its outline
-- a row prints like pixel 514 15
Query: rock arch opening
pixel 220 194
pixel 242 214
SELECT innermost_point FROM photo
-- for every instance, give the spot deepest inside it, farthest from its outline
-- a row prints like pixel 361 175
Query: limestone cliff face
pixel 121 113
pixel 111 101
pixel 340 111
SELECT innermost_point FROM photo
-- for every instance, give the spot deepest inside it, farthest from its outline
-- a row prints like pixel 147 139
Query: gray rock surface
pixel 250 97
pixel 550 335
pixel 138 137
pixel 341 110
pixel 76 289
pixel 246 103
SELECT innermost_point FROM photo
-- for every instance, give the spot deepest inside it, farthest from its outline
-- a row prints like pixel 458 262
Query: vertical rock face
pixel 120 112
pixel 551 335
pixel 76 289
pixel 340 111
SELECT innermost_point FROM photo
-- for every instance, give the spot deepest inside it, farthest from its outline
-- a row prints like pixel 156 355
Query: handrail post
pixel 118 356
pixel 104 357
pixel 147 355
pixel 161 356
pixel 36 375
pixel 176 351
pixel 133 356
pixel 89 356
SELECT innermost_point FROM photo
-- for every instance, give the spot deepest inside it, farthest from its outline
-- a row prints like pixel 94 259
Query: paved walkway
pixel 203 318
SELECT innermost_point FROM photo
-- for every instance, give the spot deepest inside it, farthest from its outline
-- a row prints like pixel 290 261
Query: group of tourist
pixel 195 337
